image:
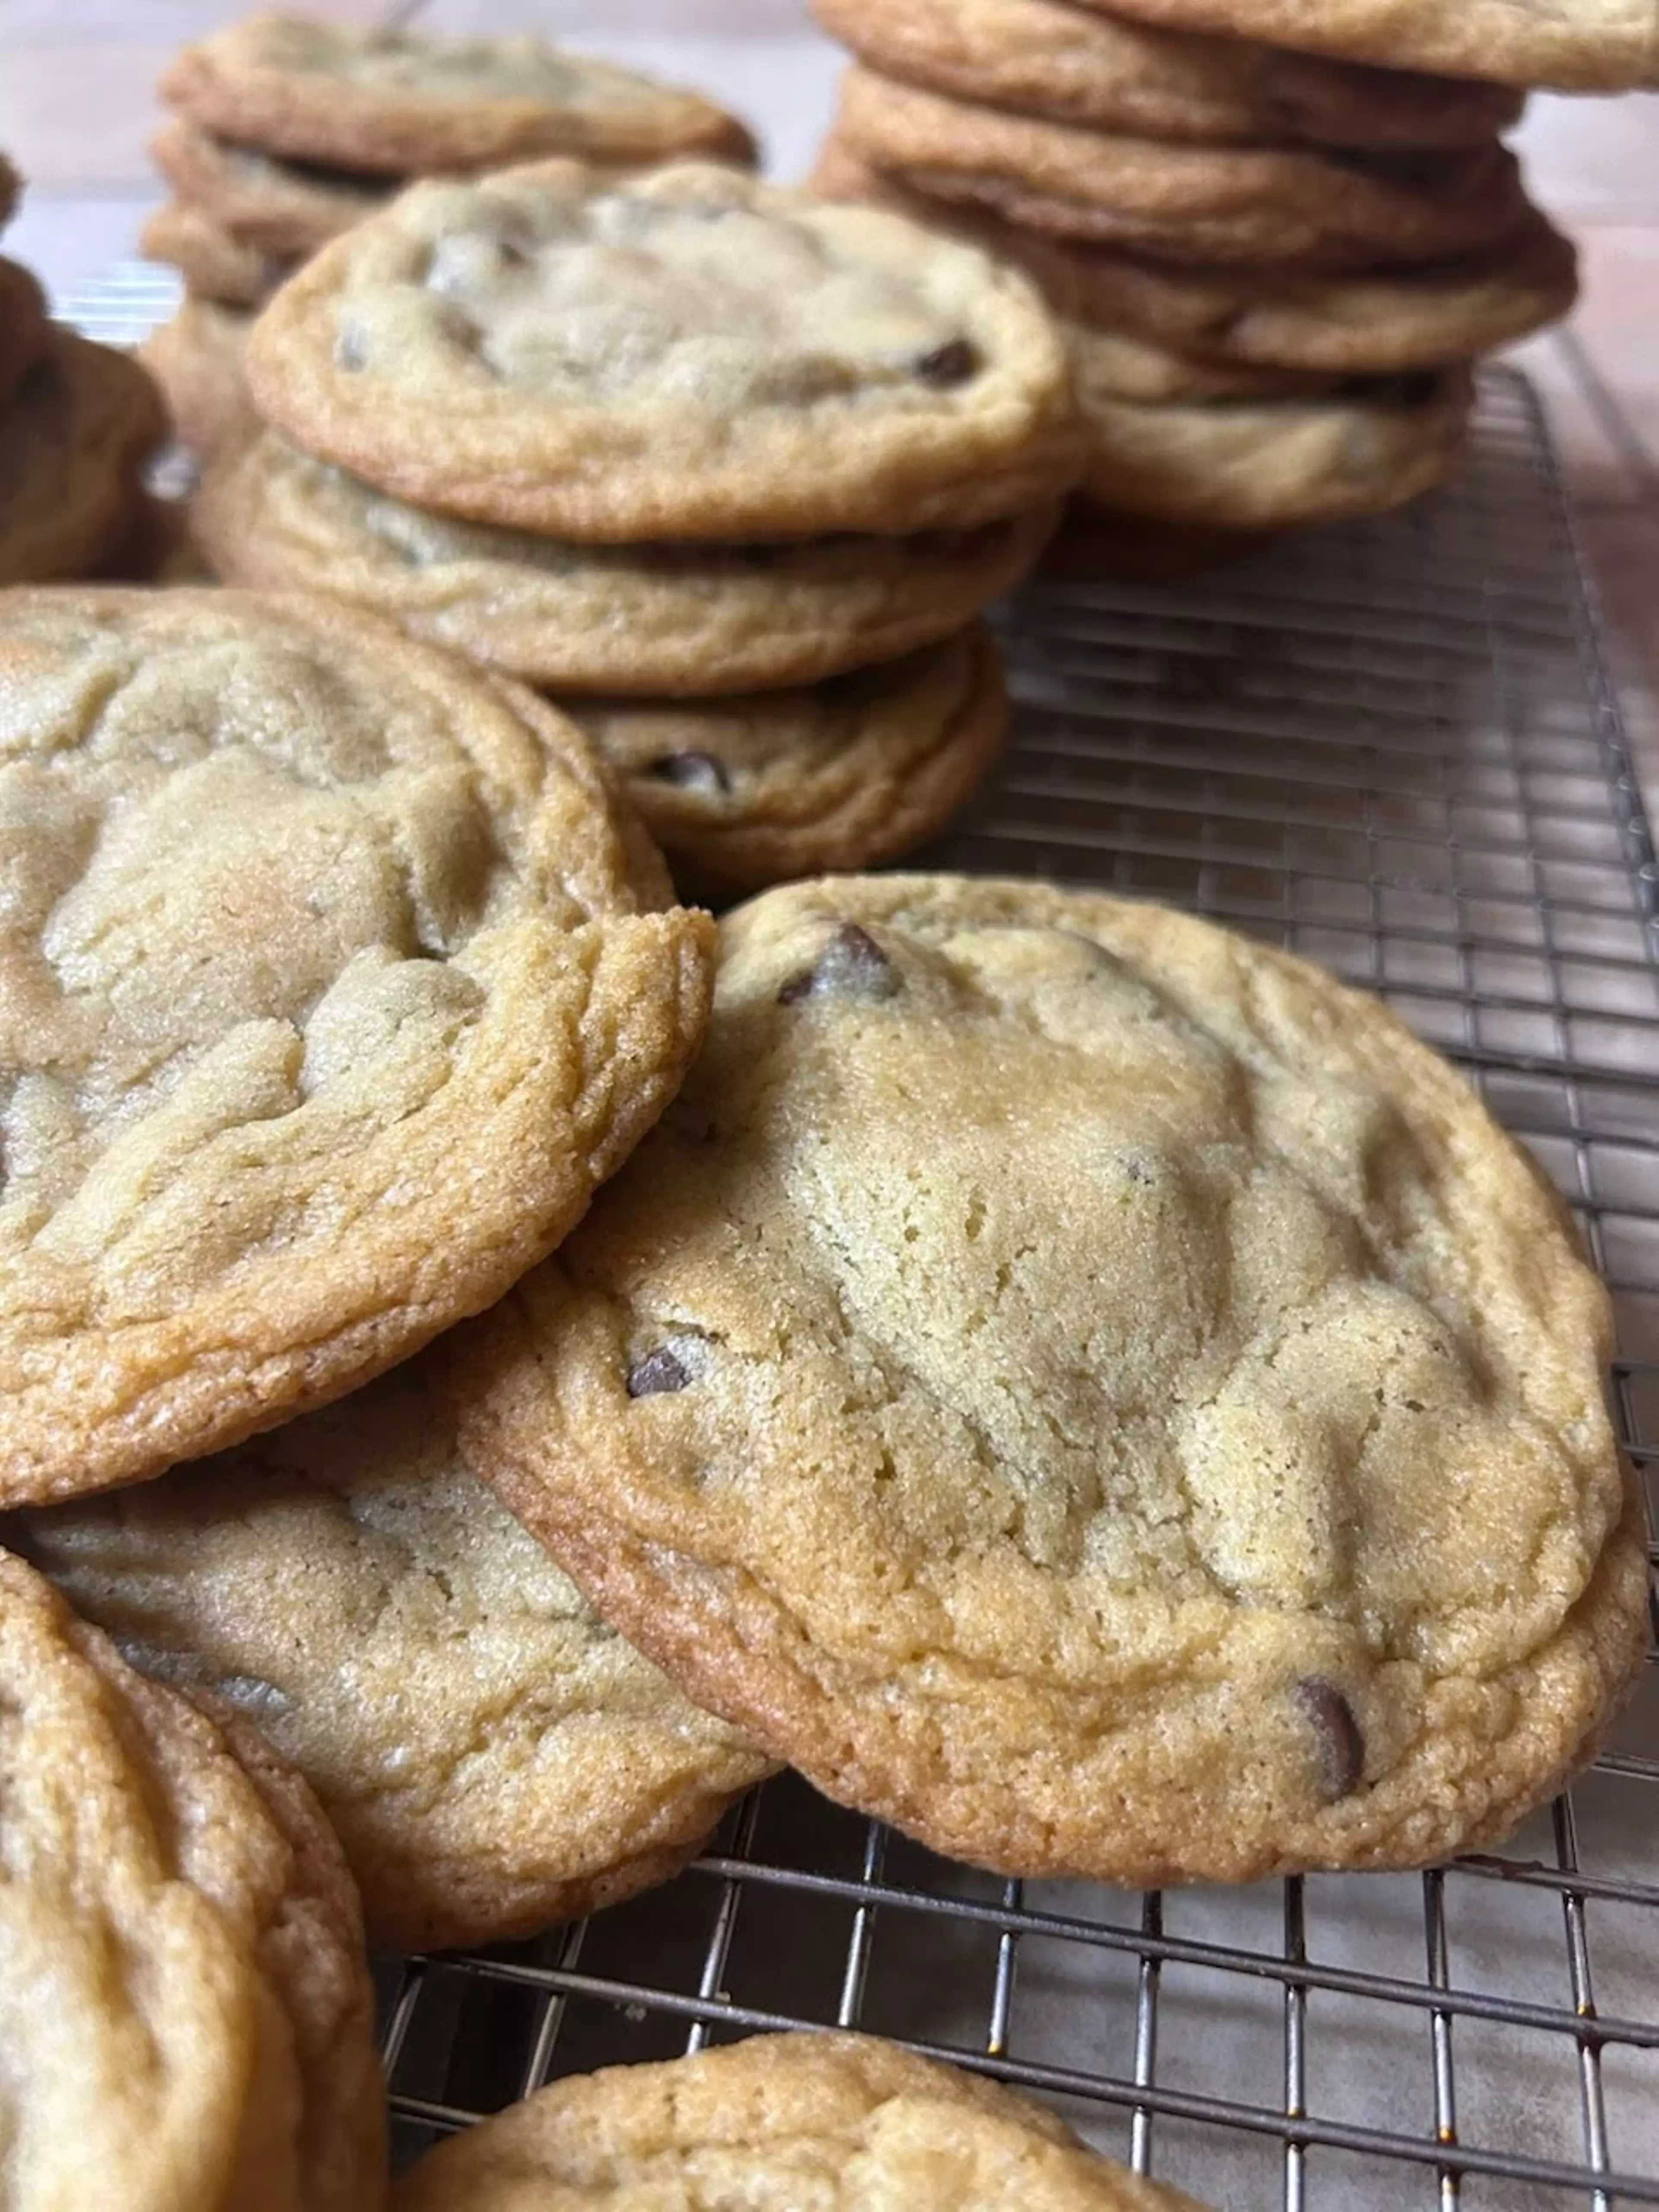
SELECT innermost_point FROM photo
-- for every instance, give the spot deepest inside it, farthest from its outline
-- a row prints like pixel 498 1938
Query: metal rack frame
pixel 1395 748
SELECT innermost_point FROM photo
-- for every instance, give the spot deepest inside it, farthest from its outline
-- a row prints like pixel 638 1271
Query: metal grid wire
pixel 1393 748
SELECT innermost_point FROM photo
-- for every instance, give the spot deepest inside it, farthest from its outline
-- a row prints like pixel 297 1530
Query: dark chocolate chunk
pixel 852 964
pixel 953 363
pixel 691 772
pixel 657 1371
pixel 1341 1749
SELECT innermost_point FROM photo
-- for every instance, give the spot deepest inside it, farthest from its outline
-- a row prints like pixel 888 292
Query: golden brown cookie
pixel 835 2123
pixel 286 208
pixel 215 263
pixel 185 2007
pixel 1054 59
pixel 697 620
pixel 1267 465
pixel 743 792
pixel 684 355
pixel 1290 207
pixel 401 100
pixel 1573 45
pixel 493 1759
pixel 73 445
pixel 1090 1389
pixel 25 333
pixel 335 986
pixel 196 357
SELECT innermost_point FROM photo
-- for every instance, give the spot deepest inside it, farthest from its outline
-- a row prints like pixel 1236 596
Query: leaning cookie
pixel 786 2121
pixel 185 2007
pixel 400 101
pixel 743 792
pixel 684 355
pixel 74 442
pixel 654 619
pixel 1090 1390
pixel 492 1757
pixel 337 982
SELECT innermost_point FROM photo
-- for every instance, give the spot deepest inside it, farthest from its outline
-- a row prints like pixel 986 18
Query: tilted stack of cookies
pixel 79 424
pixel 660 446
pixel 290 128
pixel 1278 265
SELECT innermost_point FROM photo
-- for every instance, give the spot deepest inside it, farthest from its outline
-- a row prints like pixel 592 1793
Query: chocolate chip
pixel 953 363
pixel 691 772
pixel 851 962
pixel 350 350
pixel 657 1371
pixel 1341 1753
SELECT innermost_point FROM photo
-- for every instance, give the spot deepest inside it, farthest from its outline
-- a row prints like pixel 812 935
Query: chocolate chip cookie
pixel 285 208
pixel 742 793
pixel 215 263
pixel 1090 1389
pixel 334 982
pixel 74 442
pixel 196 357
pixel 839 2123
pixel 400 101
pixel 1290 207
pixel 185 2008
pixel 1054 59
pixel 685 355
pixel 493 1759
pixel 625 620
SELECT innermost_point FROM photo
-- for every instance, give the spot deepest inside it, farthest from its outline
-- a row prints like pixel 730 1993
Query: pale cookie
pixel 1055 59
pixel 215 263
pixel 1286 206
pixel 688 354
pixel 805 2123
pixel 1268 464
pixel 25 333
pixel 196 357
pixel 281 207
pixel 1573 45
pixel 625 620
pixel 401 101
pixel 1091 1390
pixel 1376 323
pixel 492 1757
pixel 333 987
pixel 1111 366
pixel 185 2008
pixel 742 793
pixel 73 445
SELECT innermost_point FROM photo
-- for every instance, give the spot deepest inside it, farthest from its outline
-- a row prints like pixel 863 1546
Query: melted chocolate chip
pixel 691 772
pixel 852 964
pixel 953 363
pixel 660 1371
pixel 1342 1752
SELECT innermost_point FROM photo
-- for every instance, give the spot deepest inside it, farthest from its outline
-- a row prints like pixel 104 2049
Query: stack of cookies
pixel 288 128
pixel 728 471
pixel 1277 265
pixel 79 424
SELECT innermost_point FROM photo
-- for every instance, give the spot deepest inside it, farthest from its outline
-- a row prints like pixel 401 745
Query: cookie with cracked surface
pixel 1285 206
pixel 215 263
pixel 685 355
pixel 73 447
pixel 1569 45
pixel 1054 59
pixel 185 2008
pixel 335 984
pixel 493 1759
pixel 25 331
pixel 196 357
pixel 743 792
pixel 625 620
pixel 401 101
pixel 1268 464
pixel 1094 1391
pixel 814 2121
pixel 281 207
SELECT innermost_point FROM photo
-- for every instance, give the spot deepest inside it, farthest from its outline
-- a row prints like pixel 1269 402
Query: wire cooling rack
pixel 1393 748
